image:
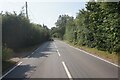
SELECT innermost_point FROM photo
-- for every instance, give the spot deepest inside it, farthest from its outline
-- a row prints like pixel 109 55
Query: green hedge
pixel 18 32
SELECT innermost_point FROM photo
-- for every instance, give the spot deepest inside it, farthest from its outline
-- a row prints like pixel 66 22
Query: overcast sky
pixel 43 12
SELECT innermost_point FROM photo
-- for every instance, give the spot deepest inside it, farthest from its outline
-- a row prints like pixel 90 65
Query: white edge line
pixel 28 56
pixel 33 52
pixel 10 70
pixel 66 69
pixel 96 56
pixel 37 49
pixel 16 65
pixel 58 53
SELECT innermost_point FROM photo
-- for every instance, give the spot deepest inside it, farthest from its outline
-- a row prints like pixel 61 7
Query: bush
pixel 97 26
pixel 6 53
pixel 18 32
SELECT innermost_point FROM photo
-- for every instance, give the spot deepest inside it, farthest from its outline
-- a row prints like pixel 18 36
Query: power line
pixel 30 12
pixel 32 16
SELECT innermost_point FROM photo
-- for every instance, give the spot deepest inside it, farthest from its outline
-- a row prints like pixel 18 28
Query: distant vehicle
pixel 51 39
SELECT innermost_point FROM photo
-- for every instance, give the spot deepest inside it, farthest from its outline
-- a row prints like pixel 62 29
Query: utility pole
pixel 26 9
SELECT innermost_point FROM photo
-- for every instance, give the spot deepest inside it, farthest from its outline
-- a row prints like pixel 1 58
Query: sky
pixel 43 12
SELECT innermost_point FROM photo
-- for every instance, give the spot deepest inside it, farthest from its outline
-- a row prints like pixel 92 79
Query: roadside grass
pixel 6 65
pixel 23 52
pixel 27 49
pixel 112 57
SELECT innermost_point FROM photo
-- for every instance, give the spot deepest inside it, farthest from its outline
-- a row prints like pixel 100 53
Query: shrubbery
pixel 18 32
pixel 97 26
pixel 6 53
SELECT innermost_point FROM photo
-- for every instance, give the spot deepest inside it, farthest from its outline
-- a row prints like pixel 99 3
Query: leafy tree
pixel 18 32
pixel 96 26
pixel 61 24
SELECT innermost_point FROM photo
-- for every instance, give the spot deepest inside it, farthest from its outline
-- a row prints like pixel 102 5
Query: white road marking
pixel 10 70
pixel 58 53
pixel 28 56
pixel 67 71
pixel 37 49
pixel 55 45
pixel 57 49
pixel 96 56
pixel 32 52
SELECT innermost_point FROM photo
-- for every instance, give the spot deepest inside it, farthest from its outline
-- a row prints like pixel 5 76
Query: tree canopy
pixel 19 32
pixel 97 26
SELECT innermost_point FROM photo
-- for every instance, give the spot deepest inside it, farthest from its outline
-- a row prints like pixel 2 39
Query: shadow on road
pixel 20 73
pixel 24 71
pixel 44 51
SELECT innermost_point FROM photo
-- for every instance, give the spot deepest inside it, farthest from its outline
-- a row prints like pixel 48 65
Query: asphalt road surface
pixel 56 59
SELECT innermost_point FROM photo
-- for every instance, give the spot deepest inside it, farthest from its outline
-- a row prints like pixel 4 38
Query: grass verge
pixel 9 63
pixel 6 65
pixel 27 49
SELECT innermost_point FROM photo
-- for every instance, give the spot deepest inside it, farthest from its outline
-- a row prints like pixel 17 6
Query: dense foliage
pixel 97 26
pixel 18 32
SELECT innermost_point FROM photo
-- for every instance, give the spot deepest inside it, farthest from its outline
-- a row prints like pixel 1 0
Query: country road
pixel 56 59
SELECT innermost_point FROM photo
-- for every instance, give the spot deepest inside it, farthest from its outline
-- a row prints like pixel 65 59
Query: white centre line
pixel 58 53
pixel 67 71
pixel 10 70
pixel 57 49
pixel 55 45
